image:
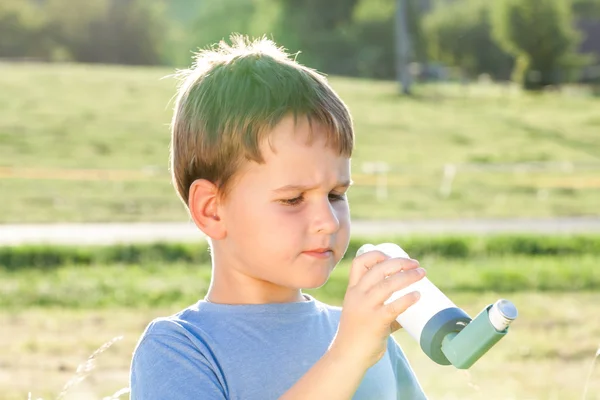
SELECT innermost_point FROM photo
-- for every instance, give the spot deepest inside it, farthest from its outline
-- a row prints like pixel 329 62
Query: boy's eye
pixel 292 202
pixel 298 200
pixel 337 197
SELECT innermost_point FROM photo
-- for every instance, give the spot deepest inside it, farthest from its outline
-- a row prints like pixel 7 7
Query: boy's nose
pixel 326 220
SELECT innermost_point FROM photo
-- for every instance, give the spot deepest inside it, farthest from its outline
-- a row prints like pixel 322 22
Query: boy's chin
pixel 312 277
pixel 313 282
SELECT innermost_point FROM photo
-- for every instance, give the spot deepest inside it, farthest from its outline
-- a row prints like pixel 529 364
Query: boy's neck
pixel 231 287
pixel 219 297
pixel 232 283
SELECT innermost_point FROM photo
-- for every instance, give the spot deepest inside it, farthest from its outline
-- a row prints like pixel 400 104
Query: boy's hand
pixel 366 322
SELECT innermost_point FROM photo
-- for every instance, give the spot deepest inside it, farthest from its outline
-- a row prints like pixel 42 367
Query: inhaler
pixel 445 332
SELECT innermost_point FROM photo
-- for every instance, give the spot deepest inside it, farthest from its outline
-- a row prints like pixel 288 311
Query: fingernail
pixel 421 271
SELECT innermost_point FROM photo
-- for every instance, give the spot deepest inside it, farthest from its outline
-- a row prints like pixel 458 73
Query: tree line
pixel 535 42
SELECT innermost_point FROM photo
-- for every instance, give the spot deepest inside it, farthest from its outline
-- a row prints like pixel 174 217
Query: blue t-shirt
pixel 255 351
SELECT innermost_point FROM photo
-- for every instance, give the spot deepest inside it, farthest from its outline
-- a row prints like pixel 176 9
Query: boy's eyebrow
pixel 302 188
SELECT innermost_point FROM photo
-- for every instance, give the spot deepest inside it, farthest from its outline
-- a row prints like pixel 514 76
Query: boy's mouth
pixel 323 252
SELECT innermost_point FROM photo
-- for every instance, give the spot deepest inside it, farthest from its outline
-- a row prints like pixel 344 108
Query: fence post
pixel 380 170
pixel 447 179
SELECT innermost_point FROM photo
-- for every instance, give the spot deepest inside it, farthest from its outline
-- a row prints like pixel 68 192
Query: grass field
pixel 90 143
pixel 54 316
pixel 547 354
pixel 161 285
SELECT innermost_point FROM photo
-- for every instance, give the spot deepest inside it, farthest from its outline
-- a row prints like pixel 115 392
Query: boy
pixel 260 155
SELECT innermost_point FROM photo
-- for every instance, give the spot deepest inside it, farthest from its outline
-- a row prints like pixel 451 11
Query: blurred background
pixel 478 150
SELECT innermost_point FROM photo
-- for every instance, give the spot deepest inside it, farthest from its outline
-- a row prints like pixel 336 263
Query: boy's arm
pixel 336 377
pixel 163 367
pixel 333 377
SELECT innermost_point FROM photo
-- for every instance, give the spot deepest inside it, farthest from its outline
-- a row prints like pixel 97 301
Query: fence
pixel 540 175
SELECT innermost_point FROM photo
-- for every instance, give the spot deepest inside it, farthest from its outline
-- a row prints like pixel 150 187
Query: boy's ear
pixel 203 203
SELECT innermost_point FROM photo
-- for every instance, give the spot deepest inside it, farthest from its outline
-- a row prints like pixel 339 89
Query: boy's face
pixel 287 221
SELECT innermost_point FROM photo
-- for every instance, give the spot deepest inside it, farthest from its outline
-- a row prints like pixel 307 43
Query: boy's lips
pixel 323 252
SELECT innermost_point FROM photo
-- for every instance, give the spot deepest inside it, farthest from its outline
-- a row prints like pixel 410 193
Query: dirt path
pixel 185 232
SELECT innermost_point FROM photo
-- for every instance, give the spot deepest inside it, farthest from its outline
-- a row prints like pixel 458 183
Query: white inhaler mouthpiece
pixel 431 303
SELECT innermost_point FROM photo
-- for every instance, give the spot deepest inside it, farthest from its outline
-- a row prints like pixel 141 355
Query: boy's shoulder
pixel 176 326
pixel 204 317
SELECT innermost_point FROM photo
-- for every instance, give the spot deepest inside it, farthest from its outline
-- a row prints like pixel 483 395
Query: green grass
pixel 454 247
pixel 59 304
pixel 546 355
pixel 116 118
pixel 160 274
pixel 159 285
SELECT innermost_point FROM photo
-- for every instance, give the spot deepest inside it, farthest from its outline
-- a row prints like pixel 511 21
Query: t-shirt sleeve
pixel 408 385
pixel 171 366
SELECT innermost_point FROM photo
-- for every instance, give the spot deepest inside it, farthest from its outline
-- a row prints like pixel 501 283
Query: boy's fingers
pixel 363 263
pixel 383 270
pixel 381 291
pixel 401 304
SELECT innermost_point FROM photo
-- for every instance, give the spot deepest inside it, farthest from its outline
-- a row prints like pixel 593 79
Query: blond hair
pixel 230 100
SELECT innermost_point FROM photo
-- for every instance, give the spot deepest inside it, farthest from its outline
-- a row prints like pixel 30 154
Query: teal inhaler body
pixel 446 333
pixel 453 338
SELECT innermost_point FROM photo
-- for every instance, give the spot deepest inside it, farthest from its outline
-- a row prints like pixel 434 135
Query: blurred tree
pixel 540 33
pixel 73 27
pixel 217 20
pixel 416 13
pixel 323 33
pixel 374 27
pixel 588 9
pixel 403 46
pixel 459 34
pixel 109 31
pixel 587 14
pixel 374 54
pixel 136 30
pixel 344 37
pixel 22 30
